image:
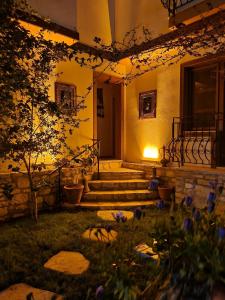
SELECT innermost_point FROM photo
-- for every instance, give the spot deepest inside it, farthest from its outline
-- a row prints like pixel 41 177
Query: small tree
pixel 32 126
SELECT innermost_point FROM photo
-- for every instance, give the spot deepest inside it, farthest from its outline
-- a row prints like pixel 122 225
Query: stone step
pixel 125 195
pixel 119 174
pixel 110 164
pixel 130 184
pixel 109 205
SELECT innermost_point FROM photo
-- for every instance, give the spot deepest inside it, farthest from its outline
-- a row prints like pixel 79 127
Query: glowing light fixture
pixel 151 152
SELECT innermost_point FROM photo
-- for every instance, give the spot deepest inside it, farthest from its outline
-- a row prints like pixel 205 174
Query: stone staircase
pixel 118 187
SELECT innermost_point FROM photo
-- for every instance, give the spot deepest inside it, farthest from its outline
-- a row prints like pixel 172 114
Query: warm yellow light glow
pixel 48 35
pixel 151 152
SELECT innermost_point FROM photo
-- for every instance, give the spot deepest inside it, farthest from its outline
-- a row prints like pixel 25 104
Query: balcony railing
pixel 198 140
pixel 173 5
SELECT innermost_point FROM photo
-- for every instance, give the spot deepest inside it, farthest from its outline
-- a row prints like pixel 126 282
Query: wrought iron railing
pixel 95 146
pixel 198 139
pixel 173 5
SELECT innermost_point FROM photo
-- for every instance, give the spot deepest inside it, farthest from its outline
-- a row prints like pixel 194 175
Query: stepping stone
pixel 71 263
pixel 20 291
pixel 107 215
pixel 100 234
pixel 146 252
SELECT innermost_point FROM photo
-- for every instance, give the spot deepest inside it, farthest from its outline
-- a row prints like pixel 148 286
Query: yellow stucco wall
pixel 156 132
pixel 71 73
pixel 93 20
pixel 134 13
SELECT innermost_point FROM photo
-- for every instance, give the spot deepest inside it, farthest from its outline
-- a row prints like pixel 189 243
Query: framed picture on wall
pixel 65 97
pixel 147 104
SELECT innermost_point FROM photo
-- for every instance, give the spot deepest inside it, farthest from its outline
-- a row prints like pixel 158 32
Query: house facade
pixel 189 102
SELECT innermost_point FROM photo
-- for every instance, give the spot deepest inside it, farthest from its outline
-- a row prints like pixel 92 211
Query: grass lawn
pixel 26 246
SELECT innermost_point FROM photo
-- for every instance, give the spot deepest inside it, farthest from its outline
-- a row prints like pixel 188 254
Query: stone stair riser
pixel 120 176
pixel 116 205
pixel 119 185
pixel 106 186
pixel 120 197
pixel 110 165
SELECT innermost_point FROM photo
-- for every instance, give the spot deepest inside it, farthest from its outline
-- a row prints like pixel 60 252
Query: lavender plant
pixel 191 246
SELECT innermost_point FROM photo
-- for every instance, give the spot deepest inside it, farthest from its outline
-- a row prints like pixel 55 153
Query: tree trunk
pixel 34 207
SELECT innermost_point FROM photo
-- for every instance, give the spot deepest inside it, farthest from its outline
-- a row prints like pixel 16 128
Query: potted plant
pixel 73 192
pixel 164 162
pixel 83 167
pixel 165 192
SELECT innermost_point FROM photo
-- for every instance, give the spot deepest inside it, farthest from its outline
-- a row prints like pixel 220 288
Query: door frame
pixel 101 78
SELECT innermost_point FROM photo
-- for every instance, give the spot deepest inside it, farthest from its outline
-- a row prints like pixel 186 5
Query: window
pixel 203 93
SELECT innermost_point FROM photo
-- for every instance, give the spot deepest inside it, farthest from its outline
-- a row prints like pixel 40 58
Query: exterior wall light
pixel 151 152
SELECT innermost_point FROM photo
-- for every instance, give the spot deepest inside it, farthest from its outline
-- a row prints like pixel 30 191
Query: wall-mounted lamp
pixel 151 152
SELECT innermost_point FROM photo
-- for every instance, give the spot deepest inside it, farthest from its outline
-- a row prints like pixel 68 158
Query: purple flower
pixel 108 228
pixel 160 204
pixel 143 255
pixel 196 215
pixel 118 216
pixel 211 207
pixel 138 213
pixel 213 184
pixel 187 225
pixel 123 219
pixel 153 185
pixel 188 200
pixel 212 196
pixel 221 232
pixel 99 293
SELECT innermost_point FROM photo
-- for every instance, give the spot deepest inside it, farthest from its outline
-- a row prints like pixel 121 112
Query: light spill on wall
pixel 151 152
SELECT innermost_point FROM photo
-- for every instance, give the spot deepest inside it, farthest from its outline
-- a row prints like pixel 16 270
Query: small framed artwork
pixel 65 96
pixel 147 104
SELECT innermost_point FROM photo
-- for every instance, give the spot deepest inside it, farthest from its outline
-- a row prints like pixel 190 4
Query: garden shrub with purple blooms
pixel 153 184
pixel 191 246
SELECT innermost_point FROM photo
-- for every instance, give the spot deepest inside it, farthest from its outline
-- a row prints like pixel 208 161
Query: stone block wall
pixel 193 182
pixel 187 181
pixel 17 202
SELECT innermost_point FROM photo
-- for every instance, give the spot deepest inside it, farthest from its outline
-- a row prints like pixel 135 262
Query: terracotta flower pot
pixel 73 193
pixel 165 193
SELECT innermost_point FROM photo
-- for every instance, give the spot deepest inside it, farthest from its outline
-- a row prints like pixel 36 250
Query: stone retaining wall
pixel 183 179
pixel 17 202
pixel 187 181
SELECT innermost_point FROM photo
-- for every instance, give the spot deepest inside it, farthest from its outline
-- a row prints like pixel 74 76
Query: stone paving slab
pixel 107 215
pixel 102 236
pixel 20 291
pixel 145 251
pixel 71 263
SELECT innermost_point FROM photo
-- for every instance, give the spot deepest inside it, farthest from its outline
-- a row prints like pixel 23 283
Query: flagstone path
pixel 100 234
pixel 20 291
pixel 145 251
pixel 107 215
pixel 70 263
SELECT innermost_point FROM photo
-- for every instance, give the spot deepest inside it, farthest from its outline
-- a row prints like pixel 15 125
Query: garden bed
pixel 25 247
